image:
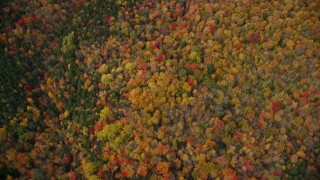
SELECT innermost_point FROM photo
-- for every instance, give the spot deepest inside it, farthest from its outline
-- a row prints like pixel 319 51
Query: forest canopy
pixel 178 89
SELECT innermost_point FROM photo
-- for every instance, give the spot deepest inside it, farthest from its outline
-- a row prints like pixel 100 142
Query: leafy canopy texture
pixel 115 89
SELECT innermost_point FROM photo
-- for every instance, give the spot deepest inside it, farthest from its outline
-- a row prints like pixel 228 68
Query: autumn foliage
pixel 159 89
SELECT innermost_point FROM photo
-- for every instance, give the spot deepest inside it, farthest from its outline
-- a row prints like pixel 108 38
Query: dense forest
pixel 151 89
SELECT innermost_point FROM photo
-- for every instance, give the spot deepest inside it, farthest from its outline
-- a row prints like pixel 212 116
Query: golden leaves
pixel 161 132
pixel 127 172
pixel 160 89
pixel 229 174
pixel 11 155
pixel 2 133
pixel 167 99
pixel 142 170
pixel 186 87
pixel 294 158
pixel 89 168
pixel 163 168
pixel 105 113
pixel 162 149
